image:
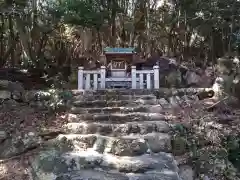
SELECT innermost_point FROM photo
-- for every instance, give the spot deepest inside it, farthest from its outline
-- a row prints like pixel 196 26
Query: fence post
pixel 103 77
pixel 80 78
pixel 95 81
pixel 88 81
pixel 134 77
pixel 148 81
pixel 156 77
pixel 141 80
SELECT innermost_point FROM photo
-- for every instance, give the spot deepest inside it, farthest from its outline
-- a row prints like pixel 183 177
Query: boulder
pixel 5 94
pixel 173 78
pixel 126 147
pixel 29 78
pixel 158 142
pixel 10 104
pixel 3 136
pixel 192 78
pixel 14 90
pixel 19 144
pixel 47 164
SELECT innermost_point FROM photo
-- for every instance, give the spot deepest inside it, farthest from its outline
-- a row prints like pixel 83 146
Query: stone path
pixel 115 136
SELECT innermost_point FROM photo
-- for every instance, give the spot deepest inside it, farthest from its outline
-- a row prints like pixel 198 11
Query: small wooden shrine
pixel 118 70
pixel 118 61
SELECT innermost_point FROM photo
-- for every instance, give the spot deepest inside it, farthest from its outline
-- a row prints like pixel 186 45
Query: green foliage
pixel 218 159
pixel 180 129
pixel 184 27
pixel 58 100
pixel 232 144
pixel 13 3
pixel 87 13
pixel 54 100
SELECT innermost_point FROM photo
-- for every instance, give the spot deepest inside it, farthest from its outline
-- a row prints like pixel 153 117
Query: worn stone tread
pixel 137 164
pixel 87 174
pixel 161 91
pixel 129 145
pixel 90 97
pixel 91 165
pixel 118 117
pixel 116 129
pixel 155 175
pixel 123 109
pixel 110 103
pixel 134 104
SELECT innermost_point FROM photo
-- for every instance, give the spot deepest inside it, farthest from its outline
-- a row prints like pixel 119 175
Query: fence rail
pixel 139 79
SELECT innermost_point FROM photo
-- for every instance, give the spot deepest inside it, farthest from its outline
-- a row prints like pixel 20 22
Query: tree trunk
pixel 147 17
pixel 12 40
pixel 112 8
pixel 27 52
pixel 2 47
pixel 99 40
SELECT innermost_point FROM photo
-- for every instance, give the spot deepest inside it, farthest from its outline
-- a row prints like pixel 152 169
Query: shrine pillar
pixel 80 78
pixel 103 77
pixel 156 77
pixel 134 77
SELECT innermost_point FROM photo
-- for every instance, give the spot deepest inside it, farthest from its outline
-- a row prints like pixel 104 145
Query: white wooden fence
pixel 139 79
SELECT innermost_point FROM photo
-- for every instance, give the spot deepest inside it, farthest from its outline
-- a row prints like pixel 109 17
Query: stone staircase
pixel 123 135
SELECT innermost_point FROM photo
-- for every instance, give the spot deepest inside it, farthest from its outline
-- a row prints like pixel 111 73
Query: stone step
pixel 86 165
pixel 88 174
pixel 163 102
pixel 137 164
pixel 117 117
pixel 133 92
pixel 162 92
pixel 156 175
pixel 106 175
pixel 123 109
pixel 128 145
pixel 142 127
pixel 104 103
pixel 114 97
pixel 156 107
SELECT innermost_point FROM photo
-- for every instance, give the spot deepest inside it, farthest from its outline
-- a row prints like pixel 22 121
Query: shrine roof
pixel 109 50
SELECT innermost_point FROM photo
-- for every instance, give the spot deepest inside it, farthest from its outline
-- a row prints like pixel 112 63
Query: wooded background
pixel 42 33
